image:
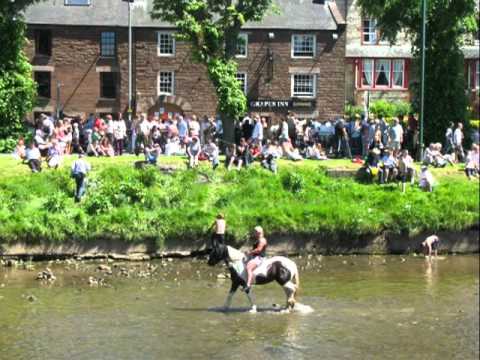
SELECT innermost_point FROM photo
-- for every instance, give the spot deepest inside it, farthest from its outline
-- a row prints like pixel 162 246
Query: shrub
pixel 402 108
pixel 55 203
pixel 382 109
pixel 293 182
pixel 352 110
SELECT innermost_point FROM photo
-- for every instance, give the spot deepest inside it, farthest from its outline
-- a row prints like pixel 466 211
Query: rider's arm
pixel 258 250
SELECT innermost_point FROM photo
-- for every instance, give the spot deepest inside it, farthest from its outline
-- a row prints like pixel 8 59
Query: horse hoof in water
pixel 253 310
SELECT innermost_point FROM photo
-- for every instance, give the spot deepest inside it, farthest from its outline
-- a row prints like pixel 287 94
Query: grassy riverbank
pixel 136 205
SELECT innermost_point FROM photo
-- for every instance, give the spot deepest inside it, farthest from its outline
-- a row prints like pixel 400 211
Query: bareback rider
pixel 256 256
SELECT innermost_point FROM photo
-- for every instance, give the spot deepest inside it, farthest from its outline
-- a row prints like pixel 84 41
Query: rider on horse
pixel 256 256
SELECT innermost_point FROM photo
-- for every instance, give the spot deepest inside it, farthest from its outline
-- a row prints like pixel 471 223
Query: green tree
pixel 212 27
pixel 448 22
pixel 17 88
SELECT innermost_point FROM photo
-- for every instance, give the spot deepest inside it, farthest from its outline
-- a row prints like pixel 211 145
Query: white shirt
pixel 257 133
pixel 80 166
pixel 458 137
pixel 32 154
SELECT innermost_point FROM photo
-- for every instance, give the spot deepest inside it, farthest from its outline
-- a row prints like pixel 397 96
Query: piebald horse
pixel 278 268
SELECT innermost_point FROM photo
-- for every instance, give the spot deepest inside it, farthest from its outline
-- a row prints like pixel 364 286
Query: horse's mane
pixel 234 254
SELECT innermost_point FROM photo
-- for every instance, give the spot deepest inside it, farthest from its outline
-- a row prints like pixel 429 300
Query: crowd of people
pixel 384 148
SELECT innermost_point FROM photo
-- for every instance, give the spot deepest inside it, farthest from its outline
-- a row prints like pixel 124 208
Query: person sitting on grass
pixel 270 155
pixel 389 167
pixel 289 152
pixel 211 151
pixel 54 155
pixel 193 151
pixel 19 152
pixel 152 153
pixel 472 162
pixel 107 147
pixel 80 169
pixel 371 169
pixel 431 243
pixel 33 158
pixel 406 169
pixel 426 180
pixel 315 152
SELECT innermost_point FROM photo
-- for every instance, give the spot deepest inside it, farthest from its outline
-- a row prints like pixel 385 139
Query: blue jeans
pixel 80 182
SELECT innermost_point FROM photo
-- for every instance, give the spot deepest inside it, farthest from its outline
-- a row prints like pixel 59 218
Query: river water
pixel 364 307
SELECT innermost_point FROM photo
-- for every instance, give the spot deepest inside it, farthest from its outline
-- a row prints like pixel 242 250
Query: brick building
pixel 375 69
pixel 294 60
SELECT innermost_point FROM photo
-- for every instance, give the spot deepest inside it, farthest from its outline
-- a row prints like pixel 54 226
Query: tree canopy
pixel 213 27
pixel 17 88
pixel 448 24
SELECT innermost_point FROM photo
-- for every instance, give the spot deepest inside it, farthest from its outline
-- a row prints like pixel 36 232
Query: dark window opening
pixel 108 88
pixel 107 44
pixel 43 80
pixel 43 42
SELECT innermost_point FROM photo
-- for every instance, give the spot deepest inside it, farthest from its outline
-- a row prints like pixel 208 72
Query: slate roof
pixel 294 14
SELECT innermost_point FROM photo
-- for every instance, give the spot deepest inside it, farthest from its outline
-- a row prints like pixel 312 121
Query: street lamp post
pixel 129 2
pixel 422 84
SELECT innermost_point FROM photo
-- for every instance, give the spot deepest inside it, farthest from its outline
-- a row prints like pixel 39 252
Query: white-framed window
pixel 165 43
pixel 242 46
pixel 304 85
pixel 382 73
pixel 166 83
pixel 369 31
pixel 304 46
pixel 77 2
pixel 242 78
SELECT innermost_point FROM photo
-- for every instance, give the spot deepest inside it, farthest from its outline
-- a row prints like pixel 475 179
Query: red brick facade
pixel 75 63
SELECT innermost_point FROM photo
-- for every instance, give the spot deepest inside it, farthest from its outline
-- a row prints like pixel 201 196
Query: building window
pixel 398 73
pixel 303 46
pixel 370 31
pixel 382 73
pixel 304 85
pixel 107 44
pixel 43 42
pixel 77 2
pixel 166 82
pixel 43 80
pixel 242 78
pixel 166 44
pixel 367 73
pixel 108 86
pixel 242 46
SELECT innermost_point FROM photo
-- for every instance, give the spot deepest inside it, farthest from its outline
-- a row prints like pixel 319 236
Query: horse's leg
pixel 290 289
pixel 251 300
pixel 232 291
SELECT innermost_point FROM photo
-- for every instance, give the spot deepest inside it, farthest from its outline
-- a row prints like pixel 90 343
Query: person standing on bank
pixel 80 169
pixel 458 143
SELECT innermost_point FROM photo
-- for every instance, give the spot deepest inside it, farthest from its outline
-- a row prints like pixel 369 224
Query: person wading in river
pixel 431 243
pixel 219 226
pixel 256 256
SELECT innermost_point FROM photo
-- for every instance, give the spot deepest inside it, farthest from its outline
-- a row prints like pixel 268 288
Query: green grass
pixel 137 205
